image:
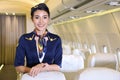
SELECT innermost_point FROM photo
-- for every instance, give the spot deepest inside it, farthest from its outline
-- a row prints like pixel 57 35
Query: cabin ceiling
pixel 60 9
pixel 17 6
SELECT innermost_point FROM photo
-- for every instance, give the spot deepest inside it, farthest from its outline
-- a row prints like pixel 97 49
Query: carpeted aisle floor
pixel 8 72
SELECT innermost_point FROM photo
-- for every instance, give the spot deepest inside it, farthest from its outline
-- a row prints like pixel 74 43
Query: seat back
pixel 118 56
pixel 99 74
pixel 66 49
pixel 52 75
pixel 72 63
pixel 103 60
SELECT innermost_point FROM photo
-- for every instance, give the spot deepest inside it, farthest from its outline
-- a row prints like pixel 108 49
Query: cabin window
pixel 93 48
pixel 105 50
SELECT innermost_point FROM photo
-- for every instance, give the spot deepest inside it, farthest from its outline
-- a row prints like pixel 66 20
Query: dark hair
pixel 41 6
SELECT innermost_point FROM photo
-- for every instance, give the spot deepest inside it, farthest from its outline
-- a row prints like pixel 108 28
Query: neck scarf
pixel 42 44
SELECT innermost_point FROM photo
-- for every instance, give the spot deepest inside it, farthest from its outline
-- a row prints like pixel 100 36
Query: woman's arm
pixel 43 67
pixel 22 69
pixel 37 69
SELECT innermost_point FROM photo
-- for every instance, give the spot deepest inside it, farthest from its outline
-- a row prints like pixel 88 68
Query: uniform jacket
pixel 27 47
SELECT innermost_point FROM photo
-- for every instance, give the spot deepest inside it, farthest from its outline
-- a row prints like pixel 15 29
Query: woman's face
pixel 40 20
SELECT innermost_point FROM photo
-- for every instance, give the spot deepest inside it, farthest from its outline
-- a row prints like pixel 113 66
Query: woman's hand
pixel 36 69
pixel 46 67
pixel 43 67
pixel 52 67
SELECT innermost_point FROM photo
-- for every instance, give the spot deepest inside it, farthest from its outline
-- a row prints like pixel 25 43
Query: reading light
pixel 113 3
pixel 94 11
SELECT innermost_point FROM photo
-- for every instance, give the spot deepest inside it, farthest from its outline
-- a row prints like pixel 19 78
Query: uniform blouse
pixel 27 48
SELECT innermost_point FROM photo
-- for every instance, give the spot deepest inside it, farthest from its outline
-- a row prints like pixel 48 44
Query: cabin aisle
pixel 8 72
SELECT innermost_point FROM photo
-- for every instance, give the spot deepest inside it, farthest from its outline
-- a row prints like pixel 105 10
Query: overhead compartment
pixel 64 6
pixel 74 3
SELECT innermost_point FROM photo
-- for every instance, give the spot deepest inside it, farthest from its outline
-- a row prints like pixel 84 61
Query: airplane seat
pixel 85 52
pixel 98 74
pixel 67 49
pixel 71 65
pixel 19 75
pixel 76 51
pixel 118 56
pixel 103 60
pixel 50 75
pixel 86 55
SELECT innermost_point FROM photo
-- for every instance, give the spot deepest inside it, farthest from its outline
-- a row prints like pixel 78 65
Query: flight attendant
pixel 42 49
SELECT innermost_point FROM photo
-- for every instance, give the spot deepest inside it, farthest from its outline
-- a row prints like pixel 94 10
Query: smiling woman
pixel 42 49
pixel 66 26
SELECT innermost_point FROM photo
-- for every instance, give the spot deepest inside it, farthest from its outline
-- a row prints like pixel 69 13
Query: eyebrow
pixel 38 15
